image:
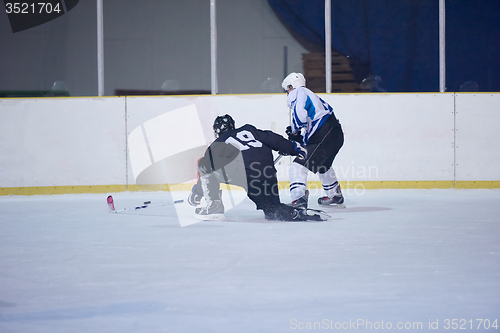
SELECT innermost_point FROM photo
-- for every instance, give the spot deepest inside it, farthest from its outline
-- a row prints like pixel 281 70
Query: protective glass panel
pixel 49 58
pixel 255 50
pixel 393 46
pixel 472 46
pixel 156 47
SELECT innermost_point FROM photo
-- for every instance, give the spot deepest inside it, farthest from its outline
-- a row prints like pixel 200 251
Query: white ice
pixel 393 260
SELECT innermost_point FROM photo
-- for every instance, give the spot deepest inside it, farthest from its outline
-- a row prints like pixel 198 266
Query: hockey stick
pixel 147 204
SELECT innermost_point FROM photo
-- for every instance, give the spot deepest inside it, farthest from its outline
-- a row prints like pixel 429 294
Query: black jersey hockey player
pixel 243 157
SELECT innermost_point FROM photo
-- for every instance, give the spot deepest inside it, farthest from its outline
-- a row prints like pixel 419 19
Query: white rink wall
pixel 100 144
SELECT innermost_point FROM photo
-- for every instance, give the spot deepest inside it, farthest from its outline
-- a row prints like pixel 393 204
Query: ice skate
pixel 336 201
pixel 214 211
pixel 309 215
pixel 301 202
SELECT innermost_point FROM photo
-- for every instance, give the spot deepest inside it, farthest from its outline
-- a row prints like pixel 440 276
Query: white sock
pixel 329 182
pixel 298 180
pixel 204 180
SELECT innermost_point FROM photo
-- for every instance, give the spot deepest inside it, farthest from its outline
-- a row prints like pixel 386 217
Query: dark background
pixel 398 40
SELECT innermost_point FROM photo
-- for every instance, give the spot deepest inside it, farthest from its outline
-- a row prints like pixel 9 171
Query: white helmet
pixel 295 80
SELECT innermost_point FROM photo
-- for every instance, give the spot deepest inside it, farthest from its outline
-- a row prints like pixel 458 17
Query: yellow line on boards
pixel 368 185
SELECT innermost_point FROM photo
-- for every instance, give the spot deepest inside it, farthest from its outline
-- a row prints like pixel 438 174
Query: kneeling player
pixel 243 157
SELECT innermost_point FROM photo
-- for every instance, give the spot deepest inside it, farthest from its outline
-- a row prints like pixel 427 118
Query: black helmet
pixel 223 124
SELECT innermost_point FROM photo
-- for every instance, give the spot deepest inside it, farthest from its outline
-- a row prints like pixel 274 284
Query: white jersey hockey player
pixel 315 125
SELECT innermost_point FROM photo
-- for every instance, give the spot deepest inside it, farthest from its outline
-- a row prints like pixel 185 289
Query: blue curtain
pixel 398 40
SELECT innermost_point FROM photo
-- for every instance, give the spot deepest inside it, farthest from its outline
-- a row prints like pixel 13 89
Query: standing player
pixel 243 157
pixel 315 125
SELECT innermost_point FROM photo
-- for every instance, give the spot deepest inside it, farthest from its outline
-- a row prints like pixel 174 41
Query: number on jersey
pixel 245 141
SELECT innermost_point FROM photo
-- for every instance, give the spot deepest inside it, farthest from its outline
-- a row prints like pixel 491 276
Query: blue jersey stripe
pixel 314 126
pixel 311 110
pixel 296 119
pixel 326 105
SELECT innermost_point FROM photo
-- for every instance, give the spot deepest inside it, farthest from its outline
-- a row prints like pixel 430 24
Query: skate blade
pixel 336 206
pixel 341 206
pixel 319 213
pixel 211 217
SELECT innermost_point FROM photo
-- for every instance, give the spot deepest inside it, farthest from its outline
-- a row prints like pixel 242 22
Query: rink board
pixel 62 142
pixel 477 137
pixel 84 145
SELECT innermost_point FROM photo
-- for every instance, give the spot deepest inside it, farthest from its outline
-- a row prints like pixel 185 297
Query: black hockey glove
pixel 293 136
pixel 300 150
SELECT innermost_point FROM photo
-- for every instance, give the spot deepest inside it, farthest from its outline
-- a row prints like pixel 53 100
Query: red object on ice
pixel 111 204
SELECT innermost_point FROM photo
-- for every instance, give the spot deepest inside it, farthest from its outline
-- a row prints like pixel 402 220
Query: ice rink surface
pixel 393 260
